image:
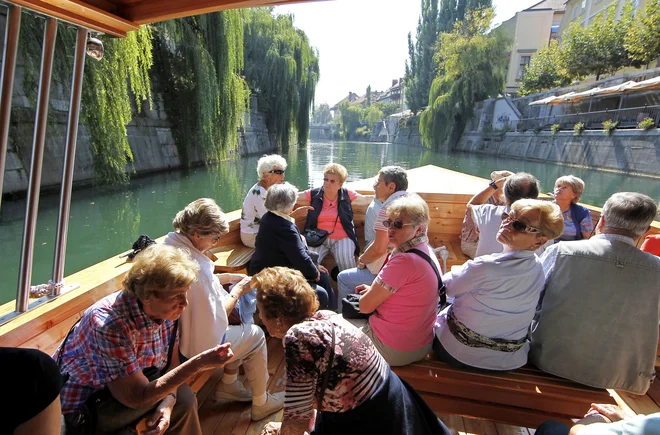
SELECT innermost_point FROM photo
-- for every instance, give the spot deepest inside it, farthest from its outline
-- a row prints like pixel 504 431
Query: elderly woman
pixel 279 243
pixel 333 367
pixel 119 356
pixel 205 324
pixel 331 211
pixel 577 218
pixel 404 296
pixel 270 170
pixel 495 296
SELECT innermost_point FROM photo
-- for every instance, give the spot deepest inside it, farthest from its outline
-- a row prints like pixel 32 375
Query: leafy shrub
pixel 646 124
pixel 578 128
pixel 555 128
pixel 609 127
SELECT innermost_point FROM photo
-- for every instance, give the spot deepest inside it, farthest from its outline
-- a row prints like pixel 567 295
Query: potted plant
pixel 578 128
pixel 555 128
pixel 609 127
pixel 646 124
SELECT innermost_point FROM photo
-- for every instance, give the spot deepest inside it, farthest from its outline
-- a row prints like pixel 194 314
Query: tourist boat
pixel 468 403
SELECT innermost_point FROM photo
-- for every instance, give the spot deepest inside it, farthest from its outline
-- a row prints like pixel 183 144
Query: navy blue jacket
pixel 344 209
pixel 578 213
pixel 278 243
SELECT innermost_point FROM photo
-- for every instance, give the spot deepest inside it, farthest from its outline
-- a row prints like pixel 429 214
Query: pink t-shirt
pixel 405 320
pixel 328 215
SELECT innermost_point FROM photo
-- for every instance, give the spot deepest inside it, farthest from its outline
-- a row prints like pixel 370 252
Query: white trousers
pixel 343 250
pixel 249 346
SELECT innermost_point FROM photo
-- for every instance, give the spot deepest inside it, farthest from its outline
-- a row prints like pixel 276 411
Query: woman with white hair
pixel 270 169
pixel 577 218
pixel 279 243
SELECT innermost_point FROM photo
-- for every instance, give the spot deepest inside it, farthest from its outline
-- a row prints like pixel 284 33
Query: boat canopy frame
pixel 112 17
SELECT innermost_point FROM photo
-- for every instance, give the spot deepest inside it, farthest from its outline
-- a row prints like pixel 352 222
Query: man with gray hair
pixel 392 183
pixel 488 217
pixel 597 320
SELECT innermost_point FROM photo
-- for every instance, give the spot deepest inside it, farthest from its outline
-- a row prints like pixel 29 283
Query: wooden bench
pixel 524 397
pixel 231 258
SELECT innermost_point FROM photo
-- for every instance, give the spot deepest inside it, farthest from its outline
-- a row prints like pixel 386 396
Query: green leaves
pixel 546 71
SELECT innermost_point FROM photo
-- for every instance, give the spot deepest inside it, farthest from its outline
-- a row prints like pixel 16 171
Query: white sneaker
pixel 234 391
pixel 274 402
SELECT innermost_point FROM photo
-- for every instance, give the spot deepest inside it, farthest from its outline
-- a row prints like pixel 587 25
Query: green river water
pixel 106 221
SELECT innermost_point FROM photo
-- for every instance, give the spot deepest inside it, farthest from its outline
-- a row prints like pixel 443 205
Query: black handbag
pixel 315 237
pixel 350 307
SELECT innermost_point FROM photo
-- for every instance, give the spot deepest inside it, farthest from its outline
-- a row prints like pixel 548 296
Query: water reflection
pixel 106 221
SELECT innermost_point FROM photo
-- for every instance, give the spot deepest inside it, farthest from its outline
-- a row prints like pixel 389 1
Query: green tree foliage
pixel 373 114
pixel 369 95
pixel 471 65
pixel 322 114
pixel 351 119
pixel 643 40
pixel 388 108
pixel 281 64
pixel 605 39
pixel 452 11
pixel 199 61
pixel 420 68
pixel 546 71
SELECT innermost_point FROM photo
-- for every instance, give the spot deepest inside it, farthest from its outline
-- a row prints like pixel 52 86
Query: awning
pixel 573 97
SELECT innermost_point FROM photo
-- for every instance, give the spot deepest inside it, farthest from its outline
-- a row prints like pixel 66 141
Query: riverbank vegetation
pixel 206 68
pixel 605 46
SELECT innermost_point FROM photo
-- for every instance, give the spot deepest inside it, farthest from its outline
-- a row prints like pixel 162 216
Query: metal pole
pixel 38 145
pixel 12 31
pixel 69 160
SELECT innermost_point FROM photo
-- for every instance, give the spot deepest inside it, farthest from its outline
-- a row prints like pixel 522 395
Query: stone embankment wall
pixel 630 151
pixel 149 136
pixel 389 130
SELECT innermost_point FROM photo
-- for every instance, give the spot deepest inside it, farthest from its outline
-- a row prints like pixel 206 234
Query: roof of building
pixel 555 5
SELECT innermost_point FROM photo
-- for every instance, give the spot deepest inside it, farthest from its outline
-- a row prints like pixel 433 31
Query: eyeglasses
pixel 277 171
pixel 216 239
pixel 394 224
pixel 327 180
pixel 520 227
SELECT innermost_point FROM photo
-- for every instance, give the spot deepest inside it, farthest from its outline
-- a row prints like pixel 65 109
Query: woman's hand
pixel 322 269
pixel 362 289
pixel 216 357
pixel 160 420
pixel 612 412
pixel 233 278
pixel 301 211
pixel 242 286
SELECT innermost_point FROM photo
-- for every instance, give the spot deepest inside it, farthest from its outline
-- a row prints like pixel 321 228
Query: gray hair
pixel 268 162
pixel 574 182
pixel 521 185
pixel 202 216
pixel 631 212
pixel 281 197
pixel 396 175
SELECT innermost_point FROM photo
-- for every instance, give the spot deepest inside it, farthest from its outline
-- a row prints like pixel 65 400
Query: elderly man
pixel 597 322
pixel 392 183
pixel 120 358
pixel 488 217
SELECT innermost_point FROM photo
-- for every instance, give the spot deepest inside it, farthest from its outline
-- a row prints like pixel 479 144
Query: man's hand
pixel 160 420
pixel 301 211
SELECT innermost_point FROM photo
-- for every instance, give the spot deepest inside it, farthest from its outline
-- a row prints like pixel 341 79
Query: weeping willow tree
pixel 471 65
pixel 284 68
pixel 199 60
pixel 108 87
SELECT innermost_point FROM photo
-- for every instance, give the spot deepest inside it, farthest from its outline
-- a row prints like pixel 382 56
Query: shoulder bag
pixel 442 289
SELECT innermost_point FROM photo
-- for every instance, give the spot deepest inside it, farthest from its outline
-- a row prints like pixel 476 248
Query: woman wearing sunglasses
pixel 404 296
pixel 495 295
pixel 331 210
pixel 270 169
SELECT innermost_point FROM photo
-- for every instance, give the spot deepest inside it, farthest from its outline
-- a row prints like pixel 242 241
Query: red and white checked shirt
pixel 113 340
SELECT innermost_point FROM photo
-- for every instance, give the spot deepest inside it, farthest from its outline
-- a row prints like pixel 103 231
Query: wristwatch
pixel 493 184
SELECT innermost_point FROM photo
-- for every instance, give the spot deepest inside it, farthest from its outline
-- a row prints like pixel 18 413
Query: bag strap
pixel 59 355
pixel 326 375
pixel 442 289
pixel 171 346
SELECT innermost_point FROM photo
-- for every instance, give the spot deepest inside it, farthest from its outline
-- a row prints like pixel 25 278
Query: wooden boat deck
pixel 222 417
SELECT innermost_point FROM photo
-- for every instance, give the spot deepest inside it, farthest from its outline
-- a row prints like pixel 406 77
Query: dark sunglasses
pixel 394 224
pixel 520 227
pixel 277 171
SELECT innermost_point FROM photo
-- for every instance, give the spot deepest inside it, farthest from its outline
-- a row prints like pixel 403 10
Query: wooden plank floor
pixel 221 417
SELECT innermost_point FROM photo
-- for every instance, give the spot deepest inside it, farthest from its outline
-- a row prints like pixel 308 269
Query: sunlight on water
pixel 106 221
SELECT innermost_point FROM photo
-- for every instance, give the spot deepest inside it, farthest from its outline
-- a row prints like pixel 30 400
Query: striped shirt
pixel 357 372
pixel 113 340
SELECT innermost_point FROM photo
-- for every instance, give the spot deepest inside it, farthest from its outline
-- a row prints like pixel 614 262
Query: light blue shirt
pixel 370 220
pixel 496 296
pixel 640 425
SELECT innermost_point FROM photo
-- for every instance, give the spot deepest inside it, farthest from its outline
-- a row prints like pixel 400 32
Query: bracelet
pixel 493 184
pixel 233 296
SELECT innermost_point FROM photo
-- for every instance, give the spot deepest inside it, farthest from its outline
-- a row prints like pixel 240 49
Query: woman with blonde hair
pixel 331 366
pixel 495 296
pixel 577 218
pixel 205 322
pixel 332 211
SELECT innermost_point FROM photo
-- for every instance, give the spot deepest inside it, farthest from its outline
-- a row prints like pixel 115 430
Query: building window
pixel 522 67
pixel 575 12
pixel 584 5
